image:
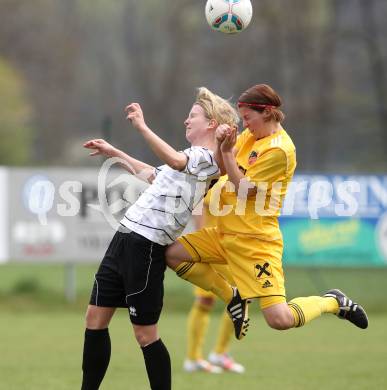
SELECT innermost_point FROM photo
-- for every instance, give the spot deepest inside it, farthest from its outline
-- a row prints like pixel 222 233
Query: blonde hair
pixel 217 108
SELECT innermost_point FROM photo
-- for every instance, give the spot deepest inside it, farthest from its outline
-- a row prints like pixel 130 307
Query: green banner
pixel 335 220
pixel 332 242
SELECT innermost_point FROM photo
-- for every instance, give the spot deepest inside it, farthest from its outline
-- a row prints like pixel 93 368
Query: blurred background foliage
pixel 67 69
pixel 15 117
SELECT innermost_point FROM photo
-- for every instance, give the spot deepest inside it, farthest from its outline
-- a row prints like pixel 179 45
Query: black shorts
pixel 131 275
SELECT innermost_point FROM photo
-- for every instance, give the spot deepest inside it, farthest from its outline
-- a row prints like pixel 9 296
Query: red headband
pixel 240 104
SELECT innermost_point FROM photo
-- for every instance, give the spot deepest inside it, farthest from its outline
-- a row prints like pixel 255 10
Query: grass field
pixel 41 337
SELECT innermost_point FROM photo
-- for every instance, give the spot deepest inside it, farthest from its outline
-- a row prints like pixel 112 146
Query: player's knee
pixel 280 322
pixel 97 318
pixel 145 335
pixel 142 338
pixel 92 321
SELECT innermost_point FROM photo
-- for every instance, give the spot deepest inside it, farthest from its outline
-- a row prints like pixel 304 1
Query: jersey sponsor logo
pixel 263 270
pixel 253 157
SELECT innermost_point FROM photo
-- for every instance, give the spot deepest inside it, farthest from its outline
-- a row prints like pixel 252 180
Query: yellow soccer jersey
pixel 209 220
pixel 269 164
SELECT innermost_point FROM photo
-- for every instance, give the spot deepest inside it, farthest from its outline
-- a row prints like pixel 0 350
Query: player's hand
pixel 229 141
pixel 100 147
pixel 135 115
pixel 221 132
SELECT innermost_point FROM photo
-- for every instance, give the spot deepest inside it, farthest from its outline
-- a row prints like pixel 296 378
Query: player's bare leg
pixel 176 254
pixel 98 317
pixel 279 316
pixel 145 334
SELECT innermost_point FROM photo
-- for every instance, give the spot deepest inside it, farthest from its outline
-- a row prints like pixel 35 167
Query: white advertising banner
pixel 63 215
pixel 4 227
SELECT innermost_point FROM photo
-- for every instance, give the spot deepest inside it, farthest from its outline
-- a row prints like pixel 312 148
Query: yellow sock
pixel 204 276
pixel 197 326
pixel 331 305
pixel 226 330
pixel 306 309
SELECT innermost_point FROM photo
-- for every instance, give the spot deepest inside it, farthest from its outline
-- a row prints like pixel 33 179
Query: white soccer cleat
pixel 226 362
pixel 201 365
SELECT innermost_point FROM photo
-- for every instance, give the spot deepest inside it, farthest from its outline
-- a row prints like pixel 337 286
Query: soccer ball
pixel 229 16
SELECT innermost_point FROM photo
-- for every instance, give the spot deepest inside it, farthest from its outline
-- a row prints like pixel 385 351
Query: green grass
pixel 43 351
pixel 41 336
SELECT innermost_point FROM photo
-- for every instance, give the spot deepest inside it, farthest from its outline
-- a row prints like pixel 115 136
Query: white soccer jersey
pixel 163 210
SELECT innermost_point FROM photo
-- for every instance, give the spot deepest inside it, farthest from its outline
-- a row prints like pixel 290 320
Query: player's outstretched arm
pixel 100 147
pixel 173 158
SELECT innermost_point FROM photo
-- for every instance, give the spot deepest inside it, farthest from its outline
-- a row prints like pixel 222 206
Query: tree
pixel 15 118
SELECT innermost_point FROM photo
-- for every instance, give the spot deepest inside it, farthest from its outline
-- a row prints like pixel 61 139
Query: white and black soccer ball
pixel 229 16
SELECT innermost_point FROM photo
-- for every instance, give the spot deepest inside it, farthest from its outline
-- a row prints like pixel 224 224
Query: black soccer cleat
pixel 349 310
pixel 238 310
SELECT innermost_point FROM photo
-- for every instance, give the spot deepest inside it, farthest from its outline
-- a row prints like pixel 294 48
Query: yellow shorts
pixel 264 302
pixel 220 269
pixel 255 265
